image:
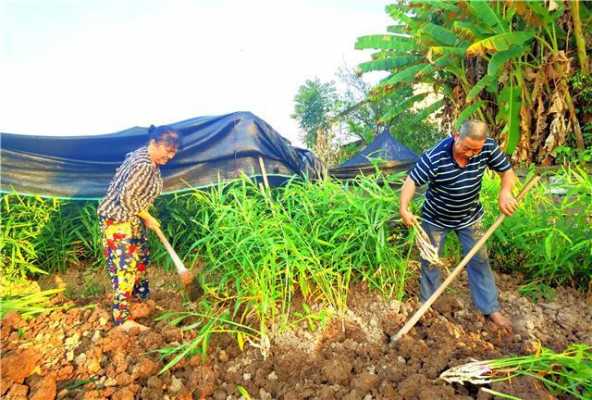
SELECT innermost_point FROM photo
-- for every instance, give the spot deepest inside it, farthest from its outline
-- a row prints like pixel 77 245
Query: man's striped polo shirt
pixel 452 198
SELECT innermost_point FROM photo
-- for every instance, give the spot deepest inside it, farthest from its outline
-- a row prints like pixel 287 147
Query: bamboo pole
pixel 264 173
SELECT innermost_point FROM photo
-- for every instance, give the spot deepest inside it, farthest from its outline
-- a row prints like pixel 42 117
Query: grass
pixel 26 298
pixel 569 372
pixel 263 251
pixel 548 239
pixel 40 236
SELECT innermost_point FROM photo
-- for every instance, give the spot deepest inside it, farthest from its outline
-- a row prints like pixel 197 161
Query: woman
pixel 124 217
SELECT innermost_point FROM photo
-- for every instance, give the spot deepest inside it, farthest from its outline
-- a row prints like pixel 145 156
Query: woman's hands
pixel 149 220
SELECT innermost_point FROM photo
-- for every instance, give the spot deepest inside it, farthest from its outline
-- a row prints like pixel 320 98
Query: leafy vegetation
pixel 45 235
pixel 566 373
pixel 331 117
pixel 316 224
pixel 26 298
pixel 505 63
pixel 273 258
pixel 549 238
pixel 314 107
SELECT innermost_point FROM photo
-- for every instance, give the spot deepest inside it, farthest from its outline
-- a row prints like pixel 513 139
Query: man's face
pixel 467 147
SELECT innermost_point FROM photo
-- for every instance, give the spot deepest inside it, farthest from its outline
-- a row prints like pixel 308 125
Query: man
pixel 454 171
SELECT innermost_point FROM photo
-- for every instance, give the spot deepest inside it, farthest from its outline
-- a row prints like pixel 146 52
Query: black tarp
pixel 213 149
pixel 392 156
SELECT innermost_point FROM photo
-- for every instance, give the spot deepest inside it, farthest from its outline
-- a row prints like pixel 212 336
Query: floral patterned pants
pixel 126 252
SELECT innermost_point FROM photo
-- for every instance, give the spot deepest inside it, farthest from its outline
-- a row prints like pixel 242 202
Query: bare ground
pixel 74 354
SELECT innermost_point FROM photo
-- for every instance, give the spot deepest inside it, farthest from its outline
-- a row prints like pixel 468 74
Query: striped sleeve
pixel 423 170
pixel 132 198
pixel 497 160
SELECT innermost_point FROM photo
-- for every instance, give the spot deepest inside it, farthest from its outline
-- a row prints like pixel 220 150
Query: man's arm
pixel 507 202
pixel 407 192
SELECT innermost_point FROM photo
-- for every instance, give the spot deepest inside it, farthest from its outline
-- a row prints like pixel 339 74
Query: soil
pixel 75 354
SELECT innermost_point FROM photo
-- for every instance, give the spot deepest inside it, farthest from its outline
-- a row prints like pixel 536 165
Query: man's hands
pixel 408 218
pixel 507 202
pixel 149 220
pixel 407 192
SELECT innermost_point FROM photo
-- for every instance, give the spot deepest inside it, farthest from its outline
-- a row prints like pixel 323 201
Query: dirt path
pixel 74 354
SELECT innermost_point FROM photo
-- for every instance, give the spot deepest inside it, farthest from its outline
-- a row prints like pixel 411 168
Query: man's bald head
pixel 474 129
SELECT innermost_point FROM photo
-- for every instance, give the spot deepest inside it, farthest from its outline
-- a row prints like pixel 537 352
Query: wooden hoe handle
pixel 176 259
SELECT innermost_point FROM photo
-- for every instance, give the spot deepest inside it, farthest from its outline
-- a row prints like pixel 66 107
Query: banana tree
pixel 484 57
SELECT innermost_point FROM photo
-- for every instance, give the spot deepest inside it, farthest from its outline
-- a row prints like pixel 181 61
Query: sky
pixel 77 67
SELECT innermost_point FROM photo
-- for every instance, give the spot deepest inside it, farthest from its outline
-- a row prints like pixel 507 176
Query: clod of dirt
pixel 144 368
pixel 11 321
pixel 142 310
pixel 123 394
pixel 123 379
pixel 337 371
pixel 524 388
pixel 149 393
pixel 18 392
pixel 176 385
pixel 22 363
pixel 204 378
pixel 365 382
pixel 44 389
pixel 410 387
pixel 447 304
pixel 289 363
pixel 222 356
pixel 151 340
pixel 411 347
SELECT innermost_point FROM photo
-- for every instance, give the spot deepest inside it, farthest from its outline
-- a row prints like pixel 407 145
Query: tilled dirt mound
pixel 75 354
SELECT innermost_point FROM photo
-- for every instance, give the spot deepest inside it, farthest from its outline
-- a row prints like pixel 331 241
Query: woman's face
pixel 162 152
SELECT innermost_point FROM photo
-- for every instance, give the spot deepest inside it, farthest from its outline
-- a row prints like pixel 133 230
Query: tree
pixel 505 62
pixel 365 114
pixel 330 117
pixel 315 105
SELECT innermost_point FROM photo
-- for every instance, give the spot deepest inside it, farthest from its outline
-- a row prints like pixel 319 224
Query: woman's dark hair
pixel 164 134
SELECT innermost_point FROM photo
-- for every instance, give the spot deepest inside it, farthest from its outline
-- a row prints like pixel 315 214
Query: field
pixel 304 286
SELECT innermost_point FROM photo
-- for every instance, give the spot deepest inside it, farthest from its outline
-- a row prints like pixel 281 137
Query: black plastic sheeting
pixel 393 157
pixel 213 149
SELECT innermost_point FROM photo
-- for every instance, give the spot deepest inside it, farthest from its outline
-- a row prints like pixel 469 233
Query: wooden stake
pixel 263 173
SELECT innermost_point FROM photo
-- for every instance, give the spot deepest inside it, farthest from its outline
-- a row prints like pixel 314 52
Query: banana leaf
pixel 388 64
pixel 386 42
pixel 499 59
pixel 509 101
pixel 401 15
pixel 438 34
pixel 402 107
pixel 432 108
pixel 500 42
pixel 479 86
pixel 408 75
pixel 467 113
pixel 487 15
pixel 468 30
